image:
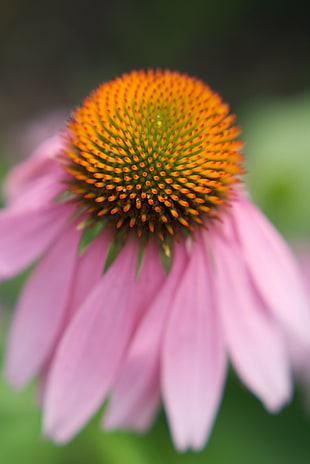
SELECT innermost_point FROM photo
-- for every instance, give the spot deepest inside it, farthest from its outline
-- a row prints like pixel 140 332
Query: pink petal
pixel 254 341
pixel 93 346
pixel 274 270
pixel 39 195
pixel 41 310
pixel 136 394
pixel 40 164
pixel 88 272
pixel 193 361
pixel 303 253
pixel 25 235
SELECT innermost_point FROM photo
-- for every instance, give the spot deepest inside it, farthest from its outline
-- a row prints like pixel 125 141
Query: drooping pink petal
pixel 303 253
pixel 254 341
pixel 39 195
pixel 88 272
pixel 40 164
pixel 41 310
pixel 136 394
pixel 24 236
pixel 274 269
pixel 193 361
pixel 93 346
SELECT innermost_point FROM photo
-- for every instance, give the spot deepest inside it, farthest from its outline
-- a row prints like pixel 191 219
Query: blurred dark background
pixel 54 52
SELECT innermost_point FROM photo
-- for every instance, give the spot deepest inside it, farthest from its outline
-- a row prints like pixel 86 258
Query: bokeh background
pixel 257 55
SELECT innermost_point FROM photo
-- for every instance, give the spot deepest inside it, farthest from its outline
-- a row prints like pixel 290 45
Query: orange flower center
pixel 152 152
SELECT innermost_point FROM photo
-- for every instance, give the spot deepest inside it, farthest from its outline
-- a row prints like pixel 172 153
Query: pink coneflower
pixel 155 267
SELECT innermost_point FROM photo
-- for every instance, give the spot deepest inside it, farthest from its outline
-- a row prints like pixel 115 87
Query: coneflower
pixel 154 266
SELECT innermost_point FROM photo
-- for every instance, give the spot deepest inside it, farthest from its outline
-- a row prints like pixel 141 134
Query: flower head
pixel 152 152
pixel 145 183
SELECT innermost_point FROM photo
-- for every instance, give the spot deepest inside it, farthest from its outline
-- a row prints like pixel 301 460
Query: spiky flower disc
pixel 153 152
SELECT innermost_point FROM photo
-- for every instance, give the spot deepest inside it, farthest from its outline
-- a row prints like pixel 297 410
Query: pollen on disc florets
pixel 152 152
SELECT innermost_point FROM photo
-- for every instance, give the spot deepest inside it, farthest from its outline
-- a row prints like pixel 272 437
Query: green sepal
pixel 114 250
pixel 86 223
pixel 89 234
pixel 166 255
pixel 140 257
pixel 64 195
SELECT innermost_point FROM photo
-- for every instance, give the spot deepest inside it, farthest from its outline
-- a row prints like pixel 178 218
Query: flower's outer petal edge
pixel 92 349
pixel 274 270
pixel 41 310
pixel 193 359
pixel 136 394
pixel 25 236
pixel 40 164
pixel 254 341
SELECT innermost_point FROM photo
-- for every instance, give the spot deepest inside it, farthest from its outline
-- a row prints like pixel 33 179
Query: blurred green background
pixel 256 54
